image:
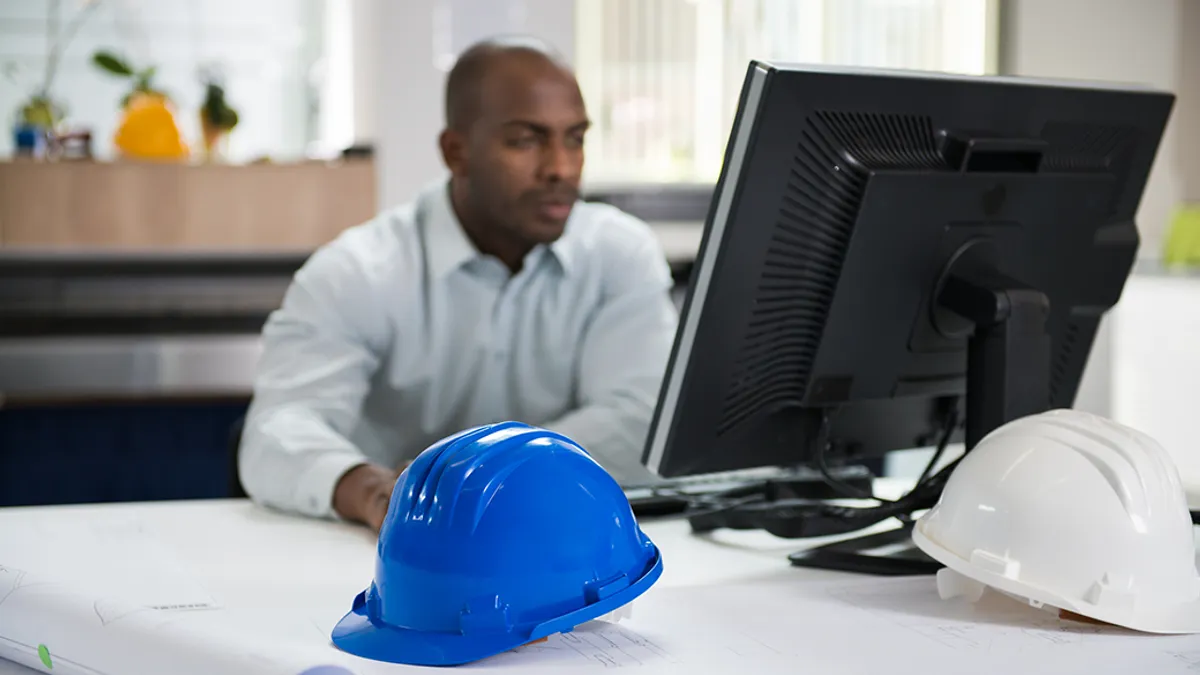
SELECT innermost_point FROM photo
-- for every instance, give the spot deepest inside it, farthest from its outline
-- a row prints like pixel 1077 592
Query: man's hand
pixel 363 493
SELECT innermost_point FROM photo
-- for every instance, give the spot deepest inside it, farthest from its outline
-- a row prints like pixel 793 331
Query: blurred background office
pixel 167 164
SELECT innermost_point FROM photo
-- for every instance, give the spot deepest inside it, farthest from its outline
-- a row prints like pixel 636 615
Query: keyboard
pixel 707 483
pixel 669 496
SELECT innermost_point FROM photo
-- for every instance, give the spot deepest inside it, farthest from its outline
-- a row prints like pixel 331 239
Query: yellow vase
pixel 148 130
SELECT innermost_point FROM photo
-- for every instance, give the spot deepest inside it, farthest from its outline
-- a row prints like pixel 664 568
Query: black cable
pixel 947 433
pixel 949 424
pixel 948 427
pixel 796 518
pixel 760 509
pixel 823 443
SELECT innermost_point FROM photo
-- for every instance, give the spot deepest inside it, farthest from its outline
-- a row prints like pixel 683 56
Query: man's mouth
pixel 555 209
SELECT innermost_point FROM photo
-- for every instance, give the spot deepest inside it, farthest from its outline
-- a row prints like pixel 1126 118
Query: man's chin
pixel 543 231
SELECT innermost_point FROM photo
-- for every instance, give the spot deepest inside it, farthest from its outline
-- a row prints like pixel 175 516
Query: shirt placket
pixel 497 346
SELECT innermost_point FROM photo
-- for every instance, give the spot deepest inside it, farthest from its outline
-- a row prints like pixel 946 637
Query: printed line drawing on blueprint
pixel 13 580
pixel 597 643
pixel 992 621
pixel 611 645
pixel 1191 660
pixel 10 580
pixel 109 610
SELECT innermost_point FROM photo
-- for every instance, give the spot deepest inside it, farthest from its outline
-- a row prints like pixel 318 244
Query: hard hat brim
pixel 1181 618
pixel 357 634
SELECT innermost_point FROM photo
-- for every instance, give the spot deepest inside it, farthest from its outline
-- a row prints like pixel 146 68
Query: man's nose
pixel 558 161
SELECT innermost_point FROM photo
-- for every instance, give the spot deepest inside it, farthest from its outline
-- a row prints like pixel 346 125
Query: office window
pixel 662 77
pixel 275 57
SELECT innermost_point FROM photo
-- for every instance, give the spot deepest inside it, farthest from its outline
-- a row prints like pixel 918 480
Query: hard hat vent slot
pixel 485 615
pixel 595 591
pixel 990 562
pixel 1114 461
pixel 1111 592
pixel 425 485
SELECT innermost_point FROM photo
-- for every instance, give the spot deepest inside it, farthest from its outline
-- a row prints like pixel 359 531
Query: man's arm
pixel 320 349
pixel 622 362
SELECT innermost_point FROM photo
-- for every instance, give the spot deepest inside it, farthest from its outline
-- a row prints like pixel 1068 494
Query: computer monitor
pixel 886 248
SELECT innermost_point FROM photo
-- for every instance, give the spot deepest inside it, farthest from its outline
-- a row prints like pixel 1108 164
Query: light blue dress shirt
pixel 399 333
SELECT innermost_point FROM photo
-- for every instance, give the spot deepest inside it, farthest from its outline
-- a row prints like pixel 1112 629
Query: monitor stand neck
pixel 1008 354
pixel 1008 377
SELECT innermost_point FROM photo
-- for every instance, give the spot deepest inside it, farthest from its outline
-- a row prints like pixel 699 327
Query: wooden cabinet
pixel 143 205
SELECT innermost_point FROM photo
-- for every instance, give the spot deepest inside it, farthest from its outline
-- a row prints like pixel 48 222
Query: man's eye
pixel 523 141
pixel 575 141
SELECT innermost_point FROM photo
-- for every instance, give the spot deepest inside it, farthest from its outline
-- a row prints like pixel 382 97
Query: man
pixel 494 295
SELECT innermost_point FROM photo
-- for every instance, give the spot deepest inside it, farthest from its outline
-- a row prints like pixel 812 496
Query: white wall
pixel 367 39
pixel 415 40
pixel 1135 41
pixel 1187 112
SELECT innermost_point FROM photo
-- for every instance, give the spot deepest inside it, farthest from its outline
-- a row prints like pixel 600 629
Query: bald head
pixel 515 126
pixel 466 85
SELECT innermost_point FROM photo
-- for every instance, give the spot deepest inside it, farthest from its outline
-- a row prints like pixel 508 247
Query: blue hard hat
pixel 496 537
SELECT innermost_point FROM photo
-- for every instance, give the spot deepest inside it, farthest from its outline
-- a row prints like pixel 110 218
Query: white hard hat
pixel 1071 510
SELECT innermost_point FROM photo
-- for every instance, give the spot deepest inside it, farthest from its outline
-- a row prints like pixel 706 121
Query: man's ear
pixel 454 151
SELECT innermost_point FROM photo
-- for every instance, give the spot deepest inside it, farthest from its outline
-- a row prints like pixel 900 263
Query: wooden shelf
pixel 143 205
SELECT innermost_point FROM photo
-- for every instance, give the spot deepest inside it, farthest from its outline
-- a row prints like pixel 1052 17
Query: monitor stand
pixel 1008 347
pixel 1008 377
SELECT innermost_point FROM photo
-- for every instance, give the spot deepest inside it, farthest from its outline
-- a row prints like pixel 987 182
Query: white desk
pixel 251 558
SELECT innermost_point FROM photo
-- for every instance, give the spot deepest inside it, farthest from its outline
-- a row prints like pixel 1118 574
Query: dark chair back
pixel 235 441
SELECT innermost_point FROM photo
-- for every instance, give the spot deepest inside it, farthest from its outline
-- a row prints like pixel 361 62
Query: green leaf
pixel 112 63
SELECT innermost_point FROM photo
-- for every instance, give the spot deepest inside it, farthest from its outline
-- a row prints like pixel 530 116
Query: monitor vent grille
pixel 885 141
pixel 808 245
pixel 1085 147
pixel 1060 367
pixel 1081 147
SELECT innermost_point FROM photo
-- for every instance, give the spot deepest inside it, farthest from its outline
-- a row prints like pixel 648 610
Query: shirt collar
pixel 448 247
pixel 446 244
pixel 562 249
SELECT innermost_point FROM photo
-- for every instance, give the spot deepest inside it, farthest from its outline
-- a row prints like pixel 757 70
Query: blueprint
pixel 102 598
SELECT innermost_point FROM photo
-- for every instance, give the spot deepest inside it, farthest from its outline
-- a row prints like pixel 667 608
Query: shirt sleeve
pixel 319 352
pixel 622 362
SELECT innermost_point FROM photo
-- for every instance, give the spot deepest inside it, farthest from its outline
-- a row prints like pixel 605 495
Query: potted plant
pixel 39 116
pixel 142 80
pixel 217 118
